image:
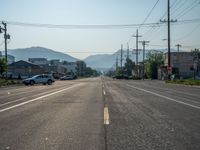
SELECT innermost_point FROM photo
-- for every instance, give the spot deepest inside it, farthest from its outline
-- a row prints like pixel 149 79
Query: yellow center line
pixel 106 116
pixel 104 92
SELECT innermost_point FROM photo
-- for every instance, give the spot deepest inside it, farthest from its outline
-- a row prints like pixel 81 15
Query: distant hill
pixel 39 52
pixel 106 61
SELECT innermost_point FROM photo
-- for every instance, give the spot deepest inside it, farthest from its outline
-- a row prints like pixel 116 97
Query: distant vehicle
pixel 68 77
pixel 39 79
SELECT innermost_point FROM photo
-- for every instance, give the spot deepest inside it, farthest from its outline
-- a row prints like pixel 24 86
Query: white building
pixel 70 66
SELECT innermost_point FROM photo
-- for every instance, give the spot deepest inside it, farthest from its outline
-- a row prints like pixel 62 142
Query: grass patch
pixel 185 82
pixel 4 82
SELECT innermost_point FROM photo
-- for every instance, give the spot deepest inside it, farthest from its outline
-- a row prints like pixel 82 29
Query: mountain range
pixel 99 61
pixel 39 52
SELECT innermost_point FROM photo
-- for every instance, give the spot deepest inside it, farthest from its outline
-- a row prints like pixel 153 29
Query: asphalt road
pixel 100 114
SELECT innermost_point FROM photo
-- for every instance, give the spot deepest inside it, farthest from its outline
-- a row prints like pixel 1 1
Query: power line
pixel 190 33
pixel 178 7
pixel 79 26
pixel 149 14
pixel 185 11
pixel 113 26
pixel 186 8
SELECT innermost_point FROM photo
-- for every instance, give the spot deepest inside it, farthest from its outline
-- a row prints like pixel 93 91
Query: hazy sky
pixel 79 42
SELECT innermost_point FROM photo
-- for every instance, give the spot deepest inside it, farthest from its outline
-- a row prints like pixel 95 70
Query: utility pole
pixel 127 57
pixel 144 43
pixel 116 63
pixel 178 47
pixel 177 56
pixel 169 38
pixel 121 58
pixel 137 36
pixel 6 36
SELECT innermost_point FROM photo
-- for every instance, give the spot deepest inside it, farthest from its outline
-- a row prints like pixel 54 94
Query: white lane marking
pixel 38 98
pixel 106 116
pixel 162 96
pixel 20 99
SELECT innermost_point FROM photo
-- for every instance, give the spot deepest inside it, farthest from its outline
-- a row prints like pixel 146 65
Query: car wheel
pixel 49 82
pixel 32 82
pixel 26 84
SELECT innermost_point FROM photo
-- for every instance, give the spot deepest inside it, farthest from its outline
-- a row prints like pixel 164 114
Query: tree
pixel 91 72
pixel 3 66
pixel 196 58
pixel 129 66
pixel 154 60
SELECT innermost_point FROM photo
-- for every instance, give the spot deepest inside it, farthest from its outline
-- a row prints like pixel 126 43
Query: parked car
pixel 68 77
pixel 39 79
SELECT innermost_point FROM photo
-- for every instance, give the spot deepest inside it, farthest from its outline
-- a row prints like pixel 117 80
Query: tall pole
pixel 137 47
pixel 169 40
pixel 137 36
pixel 127 51
pixel 169 68
pixel 121 56
pixel 144 43
pixel 178 49
pixel 5 37
pixel 116 63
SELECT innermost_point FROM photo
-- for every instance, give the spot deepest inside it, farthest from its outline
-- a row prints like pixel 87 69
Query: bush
pixel 185 82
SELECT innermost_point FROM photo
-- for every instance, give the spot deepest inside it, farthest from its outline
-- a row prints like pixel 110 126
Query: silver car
pixel 39 79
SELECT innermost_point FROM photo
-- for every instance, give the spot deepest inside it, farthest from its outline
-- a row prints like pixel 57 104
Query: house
pixel 23 69
pixel 182 64
pixel 70 66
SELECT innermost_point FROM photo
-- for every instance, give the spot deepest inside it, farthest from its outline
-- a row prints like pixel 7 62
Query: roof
pixel 24 64
pixel 38 59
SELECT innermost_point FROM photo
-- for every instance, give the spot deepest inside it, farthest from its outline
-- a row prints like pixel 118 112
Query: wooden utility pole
pixel 144 43
pixel 169 38
pixel 6 36
pixel 127 57
pixel 137 36
pixel 121 58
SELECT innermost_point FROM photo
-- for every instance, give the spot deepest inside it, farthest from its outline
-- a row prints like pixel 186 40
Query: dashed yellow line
pixel 106 116
pixel 104 92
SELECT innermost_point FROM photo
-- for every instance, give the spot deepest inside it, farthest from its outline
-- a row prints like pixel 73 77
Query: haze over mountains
pixel 99 61
pixel 39 52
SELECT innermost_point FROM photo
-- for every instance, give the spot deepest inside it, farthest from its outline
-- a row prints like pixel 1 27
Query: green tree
pixel 196 59
pixel 91 72
pixel 154 60
pixel 3 65
pixel 129 66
